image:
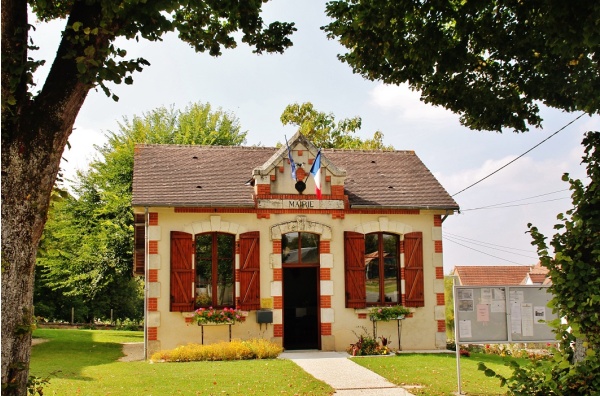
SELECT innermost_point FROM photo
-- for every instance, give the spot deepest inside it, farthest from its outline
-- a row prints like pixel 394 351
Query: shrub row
pixel 234 350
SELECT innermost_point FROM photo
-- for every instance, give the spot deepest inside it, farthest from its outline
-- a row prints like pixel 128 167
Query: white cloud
pixel 82 151
pixel 407 103
pixel 531 191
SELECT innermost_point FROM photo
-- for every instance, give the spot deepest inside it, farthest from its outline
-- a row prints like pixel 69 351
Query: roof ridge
pixel 203 146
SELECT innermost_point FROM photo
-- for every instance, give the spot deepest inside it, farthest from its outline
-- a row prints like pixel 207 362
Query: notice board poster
pixel 502 314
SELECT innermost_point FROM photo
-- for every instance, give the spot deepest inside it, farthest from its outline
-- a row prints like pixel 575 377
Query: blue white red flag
pixel 292 164
pixel 315 170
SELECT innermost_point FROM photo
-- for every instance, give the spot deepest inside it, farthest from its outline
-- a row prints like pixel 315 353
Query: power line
pixel 482 242
pixel 504 166
pixel 505 204
pixel 487 254
pixel 512 206
pixel 525 199
pixel 451 239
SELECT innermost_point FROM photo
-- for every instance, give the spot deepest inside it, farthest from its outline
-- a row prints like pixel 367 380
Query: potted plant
pixel 203 299
pixel 203 316
pixel 368 345
pixel 388 313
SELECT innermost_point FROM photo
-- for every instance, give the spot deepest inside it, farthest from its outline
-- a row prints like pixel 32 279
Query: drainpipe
pixel 146 272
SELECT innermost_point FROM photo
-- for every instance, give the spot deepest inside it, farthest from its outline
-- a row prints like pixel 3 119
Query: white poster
pixel 499 294
pixel 516 296
pixel 486 296
pixel 498 306
pixel 465 294
pixel 539 314
pixel 515 317
pixel 527 319
pixel 464 329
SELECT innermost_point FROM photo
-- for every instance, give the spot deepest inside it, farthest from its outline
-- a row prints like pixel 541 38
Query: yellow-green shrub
pixel 234 350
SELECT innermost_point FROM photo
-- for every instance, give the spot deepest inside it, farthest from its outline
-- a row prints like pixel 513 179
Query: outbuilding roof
pixel 491 275
pixel 217 176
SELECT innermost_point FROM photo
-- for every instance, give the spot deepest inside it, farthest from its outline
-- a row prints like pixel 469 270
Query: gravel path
pixel 134 351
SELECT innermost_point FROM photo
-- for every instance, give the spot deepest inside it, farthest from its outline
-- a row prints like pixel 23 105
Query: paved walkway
pixel 342 374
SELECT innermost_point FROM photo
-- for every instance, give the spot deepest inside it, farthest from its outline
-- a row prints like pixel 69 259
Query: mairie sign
pixel 300 204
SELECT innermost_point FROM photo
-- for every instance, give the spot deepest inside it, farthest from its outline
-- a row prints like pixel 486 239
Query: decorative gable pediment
pixel 274 177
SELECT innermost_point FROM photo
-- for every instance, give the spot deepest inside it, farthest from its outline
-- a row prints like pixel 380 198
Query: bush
pixel 368 345
pixel 127 324
pixel 234 350
pixel 451 345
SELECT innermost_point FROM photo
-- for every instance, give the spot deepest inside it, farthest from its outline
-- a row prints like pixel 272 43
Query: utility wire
pixel 451 239
pixel 512 206
pixel 460 237
pixel 524 199
pixel 504 166
pixel 487 254
pixel 505 204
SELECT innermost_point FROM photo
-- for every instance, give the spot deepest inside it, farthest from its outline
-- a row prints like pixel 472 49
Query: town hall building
pixel 306 254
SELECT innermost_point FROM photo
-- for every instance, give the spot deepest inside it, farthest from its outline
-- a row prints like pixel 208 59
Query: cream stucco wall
pixel 419 332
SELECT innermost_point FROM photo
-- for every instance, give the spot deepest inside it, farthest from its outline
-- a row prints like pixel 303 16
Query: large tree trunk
pixel 34 135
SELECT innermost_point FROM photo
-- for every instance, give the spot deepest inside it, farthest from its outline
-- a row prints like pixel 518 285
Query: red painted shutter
pixel 249 271
pixel 182 272
pixel 354 264
pixel 139 244
pixel 413 270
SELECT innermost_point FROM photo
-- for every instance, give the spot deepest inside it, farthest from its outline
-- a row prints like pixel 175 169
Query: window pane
pixel 310 247
pixel 204 270
pixel 225 246
pixel 203 247
pixel 289 248
pixel 203 283
pixel 390 263
pixel 225 283
pixel 214 275
pixel 372 267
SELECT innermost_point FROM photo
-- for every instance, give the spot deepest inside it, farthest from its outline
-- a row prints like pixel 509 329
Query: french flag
pixel 315 170
pixel 292 164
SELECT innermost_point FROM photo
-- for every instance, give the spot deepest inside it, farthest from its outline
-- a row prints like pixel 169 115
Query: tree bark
pixel 34 135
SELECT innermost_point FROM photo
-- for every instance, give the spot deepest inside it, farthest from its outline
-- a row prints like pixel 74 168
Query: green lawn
pixel 85 362
pixel 435 374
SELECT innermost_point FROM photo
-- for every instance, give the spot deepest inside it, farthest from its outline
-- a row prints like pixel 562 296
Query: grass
pixel 85 362
pixel 435 374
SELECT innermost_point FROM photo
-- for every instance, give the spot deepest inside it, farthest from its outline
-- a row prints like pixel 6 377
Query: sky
pixel 491 226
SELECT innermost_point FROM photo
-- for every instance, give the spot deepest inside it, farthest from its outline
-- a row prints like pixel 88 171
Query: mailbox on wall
pixel 264 316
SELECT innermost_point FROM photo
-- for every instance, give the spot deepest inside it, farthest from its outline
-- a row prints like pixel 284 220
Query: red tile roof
pixel 217 176
pixel 491 275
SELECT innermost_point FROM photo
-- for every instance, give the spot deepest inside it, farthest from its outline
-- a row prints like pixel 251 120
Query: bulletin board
pixel 502 314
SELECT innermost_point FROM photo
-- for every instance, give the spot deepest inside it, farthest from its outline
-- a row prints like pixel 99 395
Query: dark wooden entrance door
pixel 301 308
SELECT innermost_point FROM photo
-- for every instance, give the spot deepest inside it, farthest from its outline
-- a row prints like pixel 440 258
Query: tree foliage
pixel 492 62
pixel 36 125
pixel 574 269
pixel 88 239
pixel 575 266
pixel 87 261
pixel 323 130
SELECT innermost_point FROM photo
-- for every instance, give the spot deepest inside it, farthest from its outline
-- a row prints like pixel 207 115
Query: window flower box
pixel 212 316
pixel 385 314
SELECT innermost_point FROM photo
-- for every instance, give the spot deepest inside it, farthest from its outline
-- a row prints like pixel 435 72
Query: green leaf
pixel 77 25
pixel 81 67
pixel 89 51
